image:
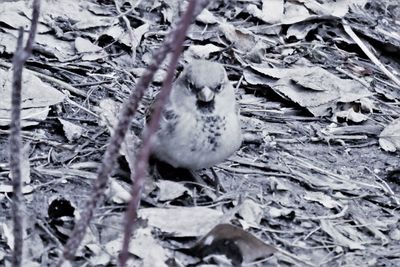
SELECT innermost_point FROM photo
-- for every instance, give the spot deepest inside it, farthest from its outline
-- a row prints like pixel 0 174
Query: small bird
pixel 200 126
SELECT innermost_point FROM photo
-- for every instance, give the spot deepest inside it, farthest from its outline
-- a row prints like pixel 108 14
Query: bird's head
pixel 203 87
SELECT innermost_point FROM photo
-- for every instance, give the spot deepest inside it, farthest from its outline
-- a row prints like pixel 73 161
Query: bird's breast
pixel 212 131
pixel 198 141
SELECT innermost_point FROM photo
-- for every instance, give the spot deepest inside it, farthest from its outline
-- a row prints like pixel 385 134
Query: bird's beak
pixel 205 94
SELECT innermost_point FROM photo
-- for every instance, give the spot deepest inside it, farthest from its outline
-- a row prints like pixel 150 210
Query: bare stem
pixel 20 57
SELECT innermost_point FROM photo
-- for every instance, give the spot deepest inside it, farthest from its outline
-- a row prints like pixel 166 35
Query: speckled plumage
pixel 196 132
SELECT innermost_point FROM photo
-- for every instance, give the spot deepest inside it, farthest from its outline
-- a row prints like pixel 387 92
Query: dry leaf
pixel 170 190
pixel 25 169
pixel 118 193
pixel 207 17
pixel 200 51
pixel 5 188
pixel 251 212
pixel 242 39
pixel 278 212
pixel 322 198
pixel 300 30
pixel 312 87
pixel 99 257
pixel 182 221
pixel 272 10
pixel 342 235
pixel 83 46
pixel 148 249
pixel 144 246
pixel 338 8
pixel 236 244
pixel 389 139
pixel 90 51
pixel 36 97
pixel 72 131
pixel 351 115
pixel 8 43
pixel 17 14
pixel 62 50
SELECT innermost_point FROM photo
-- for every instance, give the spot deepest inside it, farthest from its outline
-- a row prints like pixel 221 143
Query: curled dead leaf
pixel 389 139
pixel 236 244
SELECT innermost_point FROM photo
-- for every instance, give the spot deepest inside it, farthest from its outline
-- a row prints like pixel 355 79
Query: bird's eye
pixel 218 88
pixel 190 86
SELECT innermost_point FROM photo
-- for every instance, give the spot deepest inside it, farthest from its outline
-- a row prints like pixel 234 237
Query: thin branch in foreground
pixel 144 153
pixel 20 57
pixel 128 111
pixel 15 153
